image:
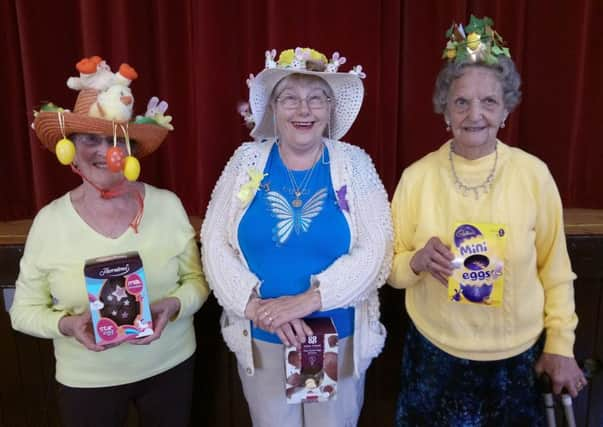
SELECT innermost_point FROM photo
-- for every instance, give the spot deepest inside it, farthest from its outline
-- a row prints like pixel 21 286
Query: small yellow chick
pixel 115 103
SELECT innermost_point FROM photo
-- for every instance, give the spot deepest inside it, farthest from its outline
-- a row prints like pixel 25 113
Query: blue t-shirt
pixel 284 245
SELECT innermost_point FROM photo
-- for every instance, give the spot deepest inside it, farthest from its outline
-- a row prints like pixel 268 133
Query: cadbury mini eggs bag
pixel 478 275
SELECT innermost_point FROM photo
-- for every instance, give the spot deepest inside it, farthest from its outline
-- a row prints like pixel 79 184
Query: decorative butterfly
pixel 341 198
pixel 291 219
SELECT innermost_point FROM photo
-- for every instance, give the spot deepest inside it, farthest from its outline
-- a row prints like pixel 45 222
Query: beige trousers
pixel 265 391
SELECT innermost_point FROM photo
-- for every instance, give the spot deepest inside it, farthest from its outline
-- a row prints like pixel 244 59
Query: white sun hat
pixel 347 88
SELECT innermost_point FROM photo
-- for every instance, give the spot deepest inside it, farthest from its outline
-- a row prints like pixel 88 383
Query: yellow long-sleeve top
pixel 538 280
pixel 51 285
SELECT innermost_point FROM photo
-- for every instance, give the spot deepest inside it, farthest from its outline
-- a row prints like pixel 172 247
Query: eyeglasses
pixel 93 140
pixel 293 102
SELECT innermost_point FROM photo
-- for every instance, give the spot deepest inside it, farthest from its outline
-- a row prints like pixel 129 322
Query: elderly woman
pixel 479 247
pixel 299 227
pixel 104 216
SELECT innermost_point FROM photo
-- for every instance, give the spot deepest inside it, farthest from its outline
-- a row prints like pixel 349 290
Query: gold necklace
pixel 484 186
pixel 298 190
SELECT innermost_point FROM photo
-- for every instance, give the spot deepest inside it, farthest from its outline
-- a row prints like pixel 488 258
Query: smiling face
pixel 302 107
pixel 90 158
pixel 475 111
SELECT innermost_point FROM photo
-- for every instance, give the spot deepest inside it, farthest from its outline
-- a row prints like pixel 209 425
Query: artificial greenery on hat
pixel 478 41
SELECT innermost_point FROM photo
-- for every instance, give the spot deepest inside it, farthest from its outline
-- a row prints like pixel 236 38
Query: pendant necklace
pixel 298 190
pixel 484 187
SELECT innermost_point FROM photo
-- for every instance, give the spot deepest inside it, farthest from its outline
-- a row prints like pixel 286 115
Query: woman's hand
pixel 294 333
pixel 563 372
pixel 79 326
pixel 434 258
pixel 252 308
pixel 274 313
pixel 162 311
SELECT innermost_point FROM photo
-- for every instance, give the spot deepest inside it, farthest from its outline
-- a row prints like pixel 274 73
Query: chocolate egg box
pixel 311 371
pixel 117 292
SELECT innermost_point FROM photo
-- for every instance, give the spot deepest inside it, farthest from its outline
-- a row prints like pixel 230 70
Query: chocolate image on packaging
pixel 330 364
pixel 329 389
pixel 311 371
pixel 294 359
pixel 333 340
pixel 119 305
pixel 295 380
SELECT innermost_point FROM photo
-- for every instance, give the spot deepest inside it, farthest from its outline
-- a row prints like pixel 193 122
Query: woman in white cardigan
pixel 298 227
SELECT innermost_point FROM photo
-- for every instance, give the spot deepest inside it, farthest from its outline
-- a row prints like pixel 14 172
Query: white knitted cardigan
pixel 352 280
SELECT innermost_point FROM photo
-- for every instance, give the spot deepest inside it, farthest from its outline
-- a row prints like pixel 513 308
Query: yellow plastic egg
pixel 473 41
pixel 65 151
pixel 131 168
pixel 450 50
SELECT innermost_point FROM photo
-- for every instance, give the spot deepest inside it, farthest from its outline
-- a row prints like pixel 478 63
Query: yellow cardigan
pixel 538 286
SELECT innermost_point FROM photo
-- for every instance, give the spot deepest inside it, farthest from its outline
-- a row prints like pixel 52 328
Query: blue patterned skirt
pixel 439 389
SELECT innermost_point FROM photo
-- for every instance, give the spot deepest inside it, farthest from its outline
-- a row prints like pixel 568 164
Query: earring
pixel 322 156
pixel 502 125
pixel 447 125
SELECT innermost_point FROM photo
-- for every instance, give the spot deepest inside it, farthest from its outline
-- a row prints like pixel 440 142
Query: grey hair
pixel 505 71
pixel 301 78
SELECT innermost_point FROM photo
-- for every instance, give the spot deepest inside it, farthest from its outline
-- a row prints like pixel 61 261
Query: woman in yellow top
pixel 480 249
pixel 104 216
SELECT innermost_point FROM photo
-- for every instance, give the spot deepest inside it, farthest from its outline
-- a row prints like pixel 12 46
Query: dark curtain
pixel 196 54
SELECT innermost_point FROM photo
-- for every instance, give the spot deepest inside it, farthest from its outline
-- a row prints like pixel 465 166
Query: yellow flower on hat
pixel 473 40
pixel 316 55
pixel 286 57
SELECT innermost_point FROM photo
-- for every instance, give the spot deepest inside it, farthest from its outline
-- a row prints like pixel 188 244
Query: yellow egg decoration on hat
pixel 131 168
pixel 473 40
pixel 65 151
pixel 450 51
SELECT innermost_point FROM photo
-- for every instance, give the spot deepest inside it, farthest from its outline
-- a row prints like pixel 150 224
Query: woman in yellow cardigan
pixel 480 250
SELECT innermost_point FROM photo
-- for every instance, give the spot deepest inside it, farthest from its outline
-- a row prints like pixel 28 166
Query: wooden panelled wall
pixel 27 388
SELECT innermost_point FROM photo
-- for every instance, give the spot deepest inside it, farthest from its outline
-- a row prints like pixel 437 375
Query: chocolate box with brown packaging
pixel 311 371
pixel 117 292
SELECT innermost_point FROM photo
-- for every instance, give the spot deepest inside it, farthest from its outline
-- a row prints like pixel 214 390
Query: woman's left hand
pixel 162 311
pixel 563 371
pixel 294 333
pixel 275 312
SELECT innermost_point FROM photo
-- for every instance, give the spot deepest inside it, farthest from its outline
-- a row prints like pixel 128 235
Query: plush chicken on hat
pixel 104 106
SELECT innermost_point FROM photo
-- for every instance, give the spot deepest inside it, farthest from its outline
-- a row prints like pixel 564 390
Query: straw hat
pixel 54 123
